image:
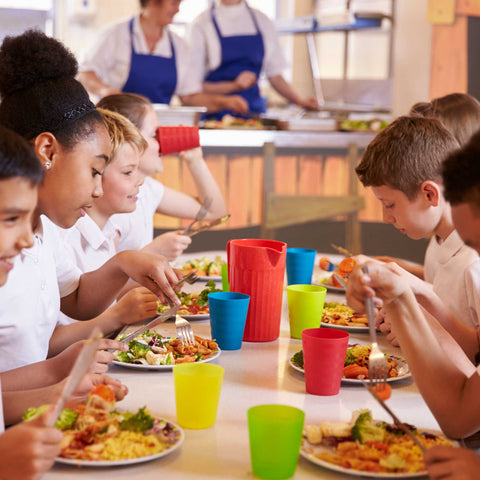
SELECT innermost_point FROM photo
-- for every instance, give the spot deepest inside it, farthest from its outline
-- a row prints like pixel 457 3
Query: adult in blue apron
pixel 150 75
pixel 239 53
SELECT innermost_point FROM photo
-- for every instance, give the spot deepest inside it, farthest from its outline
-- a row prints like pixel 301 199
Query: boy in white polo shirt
pixel 402 165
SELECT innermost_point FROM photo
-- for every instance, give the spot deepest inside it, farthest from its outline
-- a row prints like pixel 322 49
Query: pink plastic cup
pixel 257 268
pixel 177 138
pixel 324 352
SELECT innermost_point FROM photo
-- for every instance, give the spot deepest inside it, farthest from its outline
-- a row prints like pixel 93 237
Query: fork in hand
pixel 377 363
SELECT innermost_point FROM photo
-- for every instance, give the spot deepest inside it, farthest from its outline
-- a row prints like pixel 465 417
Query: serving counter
pixel 257 374
pixel 281 178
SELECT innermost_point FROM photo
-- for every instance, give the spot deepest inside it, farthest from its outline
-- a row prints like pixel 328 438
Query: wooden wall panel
pixel 286 175
pixel 171 178
pixel 217 165
pixel 310 175
pixel 238 191
pixel 256 197
pixel 335 177
pixel 449 70
pixel 468 7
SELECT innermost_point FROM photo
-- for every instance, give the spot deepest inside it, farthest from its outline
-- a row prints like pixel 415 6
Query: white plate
pixel 317 280
pixel 347 328
pixel 128 461
pixel 139 366
pixel 403 370
pixel 199 316
pixel 305 453
pixel 206 278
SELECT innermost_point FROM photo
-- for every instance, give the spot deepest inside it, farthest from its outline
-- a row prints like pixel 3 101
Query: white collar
pixel 92 233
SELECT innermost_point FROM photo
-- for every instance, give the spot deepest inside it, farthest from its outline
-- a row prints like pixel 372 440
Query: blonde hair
pixel 459 112
pixel 121 130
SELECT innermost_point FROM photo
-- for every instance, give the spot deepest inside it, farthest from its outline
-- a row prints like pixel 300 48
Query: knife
pixel 207 225
pixel 396 420
pixel 340 280
pixel 79 369
pixel 153 323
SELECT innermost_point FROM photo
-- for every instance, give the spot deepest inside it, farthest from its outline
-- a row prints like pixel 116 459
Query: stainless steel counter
pixel 284 139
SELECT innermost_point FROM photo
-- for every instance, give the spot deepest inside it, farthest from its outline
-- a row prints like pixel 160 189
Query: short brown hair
pixel 405 154
pixel 130 105
pixel 121 130
pixel 459 112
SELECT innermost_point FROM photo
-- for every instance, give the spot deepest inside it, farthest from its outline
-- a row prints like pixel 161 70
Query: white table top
pixel 258 373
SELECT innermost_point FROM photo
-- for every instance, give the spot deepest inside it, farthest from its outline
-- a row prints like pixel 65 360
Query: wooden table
pixel 259 373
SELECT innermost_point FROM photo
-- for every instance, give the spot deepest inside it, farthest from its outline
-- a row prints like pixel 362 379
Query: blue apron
pixel 152 76
pixel 239 53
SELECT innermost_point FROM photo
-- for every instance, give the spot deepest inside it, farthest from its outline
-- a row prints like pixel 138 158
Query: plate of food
pixel 151 351
pixel 326 279
pixel 341 316
pixel 234 123
pixel 96 434
pixel 194 306
pixel 368 448
pixel 205 268
pixel 328 271
pixel 355 368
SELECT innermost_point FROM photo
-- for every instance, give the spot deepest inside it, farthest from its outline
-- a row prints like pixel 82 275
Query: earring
pixel 48 165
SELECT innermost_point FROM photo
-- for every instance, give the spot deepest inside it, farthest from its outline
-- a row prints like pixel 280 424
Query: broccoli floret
pixel 364 431
pixel 350 358
pixel 298 358
pixel 138 422
pixel 211 288
pixel 65 421
pixel 138 349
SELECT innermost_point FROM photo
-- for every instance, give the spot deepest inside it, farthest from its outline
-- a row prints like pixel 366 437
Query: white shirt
pixel 136 228
pixel 232 20
pixel 110 56
pixel 30 300
pixel 453 269
pixel 89 247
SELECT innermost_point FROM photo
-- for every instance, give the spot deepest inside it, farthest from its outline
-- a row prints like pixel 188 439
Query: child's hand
pixel 192 156
pixel 385 327
pixel 452 463
pixel 28 450
pixel 136 305
pixel 171 245
pixel 152 271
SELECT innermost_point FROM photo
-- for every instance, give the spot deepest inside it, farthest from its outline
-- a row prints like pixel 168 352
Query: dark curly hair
pixel 461 174
pixel 17 158
pixel 39 92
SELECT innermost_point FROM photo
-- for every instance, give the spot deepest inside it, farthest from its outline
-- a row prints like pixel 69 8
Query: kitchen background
pixel 387 68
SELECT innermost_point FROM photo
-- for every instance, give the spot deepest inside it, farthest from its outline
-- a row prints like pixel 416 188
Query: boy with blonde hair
pixel 402 165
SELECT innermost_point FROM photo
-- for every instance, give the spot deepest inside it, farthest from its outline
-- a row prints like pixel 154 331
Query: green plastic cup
pixel 305 307
pixel 197 392
pixel 275 433
pixel 225 284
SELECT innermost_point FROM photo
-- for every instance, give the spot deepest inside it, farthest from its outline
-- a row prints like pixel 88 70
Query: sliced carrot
pixel 335 281
pixel 384 391
pixel 355 371
pixel 346 266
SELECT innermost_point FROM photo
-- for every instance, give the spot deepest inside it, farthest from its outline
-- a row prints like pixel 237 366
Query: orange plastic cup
pixel 257 268
pixel 173 139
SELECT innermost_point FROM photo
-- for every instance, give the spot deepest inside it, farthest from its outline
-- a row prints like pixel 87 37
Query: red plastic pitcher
pixel 257 268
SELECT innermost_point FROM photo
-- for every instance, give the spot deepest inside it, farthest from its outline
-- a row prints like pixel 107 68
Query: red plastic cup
pixel 324 352
pixel 257 268
pixel 177 138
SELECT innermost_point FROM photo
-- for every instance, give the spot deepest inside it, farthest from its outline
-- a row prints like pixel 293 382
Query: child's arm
pixel 99 288
pixel 416 270
pixel 55 369
pixel 451 395
pixel 179 204
pixel 28 450
pixel 450 463
pixel 136 305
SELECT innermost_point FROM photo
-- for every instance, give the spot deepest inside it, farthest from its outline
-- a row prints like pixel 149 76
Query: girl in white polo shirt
pixel 154 196
pixel 72 144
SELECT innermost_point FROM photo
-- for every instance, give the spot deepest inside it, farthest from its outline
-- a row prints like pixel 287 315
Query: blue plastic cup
pixel 228 313
pixel 300 262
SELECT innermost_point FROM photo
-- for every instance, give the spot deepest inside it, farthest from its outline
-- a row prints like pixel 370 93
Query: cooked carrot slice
pixel 384 391
pixel 105 392
pixel 346 266
pixel 325 264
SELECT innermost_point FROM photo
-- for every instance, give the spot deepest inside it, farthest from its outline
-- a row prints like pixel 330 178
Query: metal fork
pixel 204 207
pixel 184 331
pixel 377 363
pixel 190 278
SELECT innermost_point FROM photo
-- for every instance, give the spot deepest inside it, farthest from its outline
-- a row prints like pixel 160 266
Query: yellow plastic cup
pixel 197 392
pixel 305 307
